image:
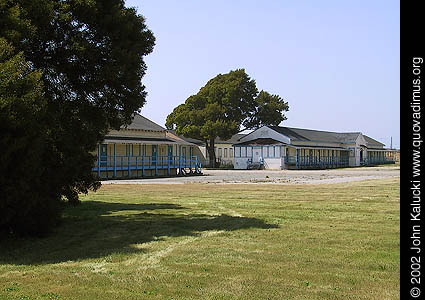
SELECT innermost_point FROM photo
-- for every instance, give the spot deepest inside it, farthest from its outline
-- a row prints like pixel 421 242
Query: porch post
pixel 180 160
pixel 169 157
pixel 156 160
pixel 190 159
pixel 296 158
pixel 128 160
pixel 115 161
pixel 143 160
pixel 98 161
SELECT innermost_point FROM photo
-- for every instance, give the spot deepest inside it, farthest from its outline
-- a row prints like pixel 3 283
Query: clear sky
pixel 337 63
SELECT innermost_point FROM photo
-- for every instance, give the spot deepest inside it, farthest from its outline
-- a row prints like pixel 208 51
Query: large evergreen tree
pixel 227 104
pixel 81 63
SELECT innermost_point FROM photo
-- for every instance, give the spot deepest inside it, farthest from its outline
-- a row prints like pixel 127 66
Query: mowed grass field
pixel 194 241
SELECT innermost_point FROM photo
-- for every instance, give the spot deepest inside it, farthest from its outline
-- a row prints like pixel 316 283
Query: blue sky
pixel 337 63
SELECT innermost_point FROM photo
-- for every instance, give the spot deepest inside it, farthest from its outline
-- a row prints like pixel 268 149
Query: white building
pixel 275 147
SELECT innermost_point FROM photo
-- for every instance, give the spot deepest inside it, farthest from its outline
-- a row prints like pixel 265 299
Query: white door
pixel 256 154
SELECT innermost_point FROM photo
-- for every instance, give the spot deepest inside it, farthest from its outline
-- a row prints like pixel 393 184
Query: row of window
pixel 223 152
pixel 141 150
pixel 277 151
pixel 318 152
pixel 265 151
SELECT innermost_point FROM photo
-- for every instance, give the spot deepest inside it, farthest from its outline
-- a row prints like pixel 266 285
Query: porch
pixel 145 158
pixel 316 162
pixel 146 166
pixel 378 157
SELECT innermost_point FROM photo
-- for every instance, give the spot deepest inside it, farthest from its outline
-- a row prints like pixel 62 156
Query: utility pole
pixel 391 143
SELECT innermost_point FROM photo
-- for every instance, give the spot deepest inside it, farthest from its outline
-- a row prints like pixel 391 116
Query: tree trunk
pixel 211 153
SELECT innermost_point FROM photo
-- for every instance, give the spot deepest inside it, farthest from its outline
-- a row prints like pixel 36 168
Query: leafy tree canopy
pixel 227 104
pixel 80 64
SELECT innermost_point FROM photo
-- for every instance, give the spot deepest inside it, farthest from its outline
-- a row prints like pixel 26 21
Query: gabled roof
pixel 142 123
pixel 299 134
pixel 371 142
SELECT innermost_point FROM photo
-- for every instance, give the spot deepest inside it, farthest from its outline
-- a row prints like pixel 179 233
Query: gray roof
pixel 305 135
pixel 371 142
pixel 142 123
pixel 234 139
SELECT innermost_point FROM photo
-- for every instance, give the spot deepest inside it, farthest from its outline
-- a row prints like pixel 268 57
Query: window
pixel 264 152
pixel 225 152
pixel 231 152
pixel 220 152
pixel 249 151
pixel 277 151
pixel 243 151
pixel 237 151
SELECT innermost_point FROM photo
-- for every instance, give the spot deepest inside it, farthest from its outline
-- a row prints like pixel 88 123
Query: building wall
pixel 224 153
pixel 272 156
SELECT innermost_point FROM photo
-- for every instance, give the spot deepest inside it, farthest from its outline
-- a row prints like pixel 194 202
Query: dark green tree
pixel 88 55
pixel 227 104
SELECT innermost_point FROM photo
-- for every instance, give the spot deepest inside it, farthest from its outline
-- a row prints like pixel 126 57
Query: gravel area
pixel 274 176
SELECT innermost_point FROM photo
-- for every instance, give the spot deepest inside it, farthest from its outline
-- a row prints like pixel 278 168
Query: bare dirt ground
pixel 274 176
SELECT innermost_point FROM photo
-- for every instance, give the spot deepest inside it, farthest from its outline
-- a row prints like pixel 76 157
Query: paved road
pixel 274 176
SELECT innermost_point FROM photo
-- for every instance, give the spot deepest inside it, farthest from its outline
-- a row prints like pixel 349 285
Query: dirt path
pixel 274 176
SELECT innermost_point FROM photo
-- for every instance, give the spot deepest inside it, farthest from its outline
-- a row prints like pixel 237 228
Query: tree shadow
pixel 98 229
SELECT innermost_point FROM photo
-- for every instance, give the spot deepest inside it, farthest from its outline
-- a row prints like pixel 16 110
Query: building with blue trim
pixel 144 149
pixel 276 147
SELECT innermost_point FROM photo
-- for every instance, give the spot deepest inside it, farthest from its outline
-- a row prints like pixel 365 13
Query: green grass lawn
pixel 194 241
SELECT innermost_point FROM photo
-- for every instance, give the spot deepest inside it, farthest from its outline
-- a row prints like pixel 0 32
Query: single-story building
pixel 276 147
pixel 144 149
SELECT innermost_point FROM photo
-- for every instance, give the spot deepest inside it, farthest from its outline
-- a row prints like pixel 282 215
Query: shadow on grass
pixel 98 229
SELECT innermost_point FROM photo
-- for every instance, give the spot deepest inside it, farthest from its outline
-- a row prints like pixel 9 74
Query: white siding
pixel 249 151
pixel 277 151
pixel 237 151
pixel 243 151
